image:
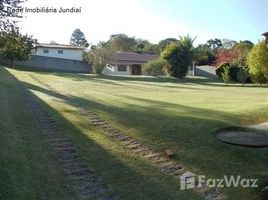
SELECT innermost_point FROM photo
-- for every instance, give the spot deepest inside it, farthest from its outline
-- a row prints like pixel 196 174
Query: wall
pixel 112 69
pixel 72 54
pixel 53 64
pixel 205 71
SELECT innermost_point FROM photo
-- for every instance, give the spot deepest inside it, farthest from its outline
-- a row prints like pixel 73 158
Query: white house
pixel 59 51
pixel 127 63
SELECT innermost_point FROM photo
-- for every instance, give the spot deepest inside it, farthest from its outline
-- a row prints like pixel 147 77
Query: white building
pixel 127 63
pixel 59 51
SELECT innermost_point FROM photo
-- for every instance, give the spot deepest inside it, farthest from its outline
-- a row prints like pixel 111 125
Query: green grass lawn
pixel 162 113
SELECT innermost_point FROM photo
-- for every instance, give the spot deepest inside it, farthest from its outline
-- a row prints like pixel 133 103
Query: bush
pixel 226 75
pixel 233 70
pixel 242 75
pixel 220 69
pixel 177 57
pixel 258 62
pixel 155 67
pixel 258 78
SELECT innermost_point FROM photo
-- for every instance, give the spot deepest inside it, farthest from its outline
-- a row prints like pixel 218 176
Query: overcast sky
pixel 153 20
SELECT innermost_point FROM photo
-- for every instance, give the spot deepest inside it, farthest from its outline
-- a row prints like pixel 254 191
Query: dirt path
pixel 83 179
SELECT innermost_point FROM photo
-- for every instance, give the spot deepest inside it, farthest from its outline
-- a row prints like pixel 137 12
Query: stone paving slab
pixel 166 165
pixel 82 178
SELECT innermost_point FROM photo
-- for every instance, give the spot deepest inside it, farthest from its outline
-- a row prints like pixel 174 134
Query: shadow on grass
pixel 189 130
pixel 131 183
pixel 211 81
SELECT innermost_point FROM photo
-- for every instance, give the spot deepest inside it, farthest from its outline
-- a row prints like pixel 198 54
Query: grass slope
pixel 162 113
pixel 27 167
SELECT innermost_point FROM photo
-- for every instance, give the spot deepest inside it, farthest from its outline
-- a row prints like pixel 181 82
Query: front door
pixel 136 69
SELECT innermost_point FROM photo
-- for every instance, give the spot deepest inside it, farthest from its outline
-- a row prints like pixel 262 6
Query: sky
pixel 153 20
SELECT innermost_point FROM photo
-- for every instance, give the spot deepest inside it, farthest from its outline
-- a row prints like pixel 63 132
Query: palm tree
pixel 188 43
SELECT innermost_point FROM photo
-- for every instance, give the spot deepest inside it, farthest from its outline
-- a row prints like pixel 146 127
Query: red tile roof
pixel 131 56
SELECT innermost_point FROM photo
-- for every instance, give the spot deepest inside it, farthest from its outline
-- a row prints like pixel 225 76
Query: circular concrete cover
pixel 243 137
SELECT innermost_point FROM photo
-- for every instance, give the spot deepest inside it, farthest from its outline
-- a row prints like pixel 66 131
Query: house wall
pixel 51 64
pixel 71 54
pixel 113 70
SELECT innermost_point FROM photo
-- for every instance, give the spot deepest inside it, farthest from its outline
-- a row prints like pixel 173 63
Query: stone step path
pixel 166 165
pixel 83 179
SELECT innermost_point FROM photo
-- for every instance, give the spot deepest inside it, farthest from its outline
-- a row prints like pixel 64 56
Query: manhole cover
pixel 242 136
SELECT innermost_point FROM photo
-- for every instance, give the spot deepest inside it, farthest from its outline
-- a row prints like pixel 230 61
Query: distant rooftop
pixel 58 46
pixel 131 56
pixel 265 34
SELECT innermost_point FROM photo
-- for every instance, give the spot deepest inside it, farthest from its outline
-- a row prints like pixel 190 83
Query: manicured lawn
pixel 160 112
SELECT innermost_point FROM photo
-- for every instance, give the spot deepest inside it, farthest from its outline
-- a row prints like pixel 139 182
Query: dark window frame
pixel 60 51
pixel 121 68
pixel 45 51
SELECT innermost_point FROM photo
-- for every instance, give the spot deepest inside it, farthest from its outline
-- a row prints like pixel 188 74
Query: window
pixel 46 51
pixel 60 51
pixel 122 68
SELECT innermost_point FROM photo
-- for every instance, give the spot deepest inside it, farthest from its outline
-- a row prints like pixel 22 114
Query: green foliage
pixel 179 56
pixel 15 46
pixel 99 57
pixel 78 38
pixel 258 62
pixel 151 49
pixel 258 78
pixel 155 67
pixel 233 70
pixel 242 49
pixel 220 69
pixel 226 75
pixel 242 75
pixel 163 43
pixel 204 55
pixel 121 42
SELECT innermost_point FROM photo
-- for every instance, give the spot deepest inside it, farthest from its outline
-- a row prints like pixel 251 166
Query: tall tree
pixel 78 38
pixel 99 57
pixel 15 46
pixel 258 62
pixel 163 43
pixel 204 55
pixel 242 48
pixel 152 49
pixel 228 44
pixel 8 20
pixel 179 56
pixel 121 42
pixel 214 43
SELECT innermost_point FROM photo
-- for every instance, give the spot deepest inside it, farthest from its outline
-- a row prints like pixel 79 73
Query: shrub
pixel 258 62
pixel 179 56
pixel 233 70
pixel 220 69
pixel 242 75
pixel 258 78
pixel 155 67
pixel 226 75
